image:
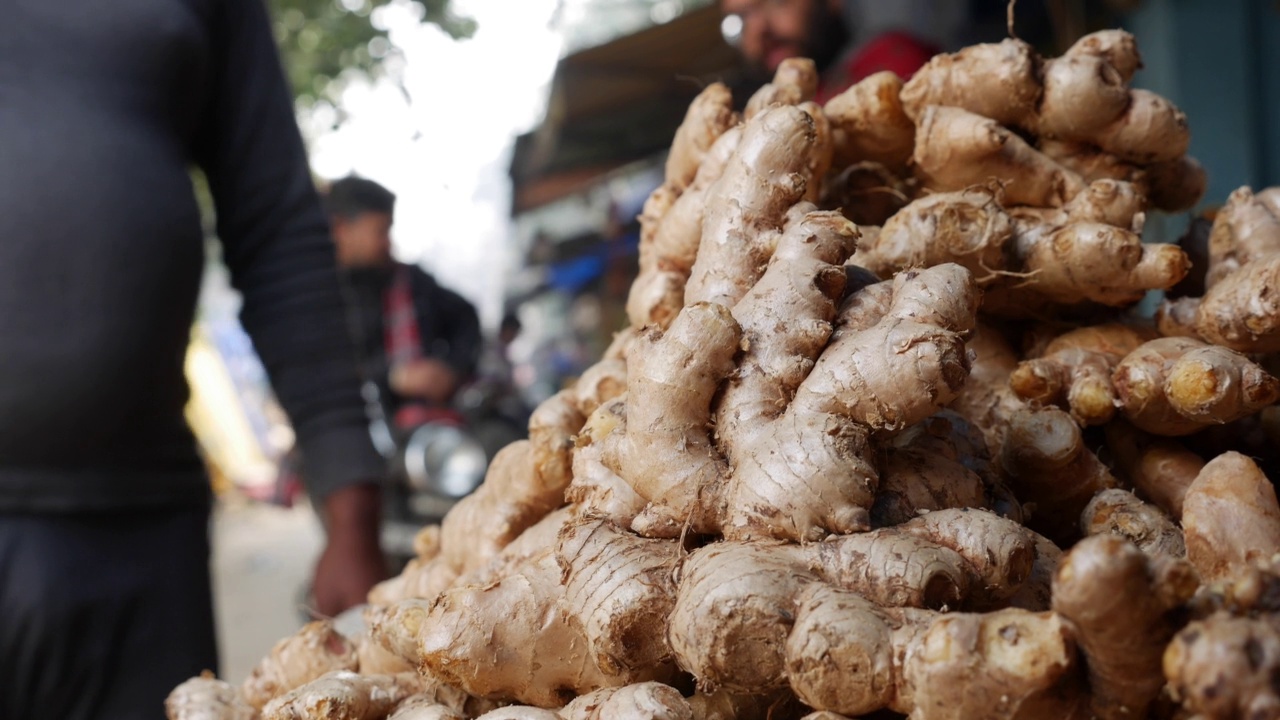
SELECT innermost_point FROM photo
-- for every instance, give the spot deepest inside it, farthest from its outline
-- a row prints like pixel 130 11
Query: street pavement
pixel 262 557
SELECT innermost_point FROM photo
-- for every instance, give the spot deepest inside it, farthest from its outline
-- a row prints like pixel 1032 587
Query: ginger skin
pixel 1087 251
pixel 313 651
pixel 794 82
pixel 766 176
pixel 897 371
pixel 1176 386
pixel 1230 517
pixel 499 661
pixel 342 695
pixel 1224 667
pixel 1160 469
pixel 1244 258
pixel 869 123
pixel 1119 602
pixel 1120 513
pixel 207 698
pixel 664 451
pixel 1082 96
pixel 735 600
pixel 1075 370
pixel 1051 469
pixel 956 149
pixel 925 469
pixel 851 656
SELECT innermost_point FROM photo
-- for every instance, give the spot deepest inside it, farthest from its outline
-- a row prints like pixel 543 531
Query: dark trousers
pixel 101 615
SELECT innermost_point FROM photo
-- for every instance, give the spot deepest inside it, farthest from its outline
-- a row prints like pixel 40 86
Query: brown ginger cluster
pixel 927 465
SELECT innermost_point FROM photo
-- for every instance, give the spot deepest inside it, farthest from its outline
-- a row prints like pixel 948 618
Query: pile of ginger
pixel 885 438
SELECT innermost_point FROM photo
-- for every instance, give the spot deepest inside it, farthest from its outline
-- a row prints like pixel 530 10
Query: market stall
pixel 929 464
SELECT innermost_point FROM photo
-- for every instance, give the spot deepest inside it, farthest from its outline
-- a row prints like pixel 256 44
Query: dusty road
pixel 262 555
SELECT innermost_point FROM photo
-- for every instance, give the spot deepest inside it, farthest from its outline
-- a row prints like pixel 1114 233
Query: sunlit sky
pixel 446 154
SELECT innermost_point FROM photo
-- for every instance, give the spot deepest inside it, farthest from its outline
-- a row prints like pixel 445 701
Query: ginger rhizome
pixel 966 104
pixel 886 435
pixel 1230 517
pixel 1237 311
pixel 1031 259
pixel 1176 386
pixel 1121 603
pixel 1075 370
pixel 207 698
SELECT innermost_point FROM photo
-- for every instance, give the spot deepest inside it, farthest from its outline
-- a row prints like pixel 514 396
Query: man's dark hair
pixel 510 323
pixel 353 195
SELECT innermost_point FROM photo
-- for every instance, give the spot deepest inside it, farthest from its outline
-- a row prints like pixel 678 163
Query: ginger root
pixel 797 481
pixel 734 605
pixel 1120 602
pixel 1075 370
pixel 1120 513
pixel 1236 311
pixel 956 149
pixel 1087 251
pixel 932 466
pixel 1160 469
pixel 1230 517
pixel 1051 469
pixel 879 372
pixel 1082 96
pixel 851 656
pixel 1225 667
pixel 1176 386
pixel 207 698
pixel 342 695
pixel 869 123
pixel 313 651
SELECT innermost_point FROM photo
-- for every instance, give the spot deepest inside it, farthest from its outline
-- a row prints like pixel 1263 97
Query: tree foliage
pixel 320 39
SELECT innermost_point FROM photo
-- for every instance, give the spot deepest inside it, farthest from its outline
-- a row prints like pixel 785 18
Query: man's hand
pixel 352 561
pixel 425 379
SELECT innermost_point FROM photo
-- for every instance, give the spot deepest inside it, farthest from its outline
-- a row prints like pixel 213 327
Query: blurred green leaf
pixel 321 39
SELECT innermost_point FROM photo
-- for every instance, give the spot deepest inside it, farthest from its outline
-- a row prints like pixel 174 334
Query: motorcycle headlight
pixel 444 460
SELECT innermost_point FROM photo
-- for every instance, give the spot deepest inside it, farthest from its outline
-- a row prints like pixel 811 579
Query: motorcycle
pixel 436 457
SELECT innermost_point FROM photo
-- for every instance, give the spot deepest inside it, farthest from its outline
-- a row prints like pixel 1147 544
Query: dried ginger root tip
pixel 1120 513
pixel 1075 370
pixel 1176 386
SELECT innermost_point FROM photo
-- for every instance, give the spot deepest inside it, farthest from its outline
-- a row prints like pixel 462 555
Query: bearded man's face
pixel 773 30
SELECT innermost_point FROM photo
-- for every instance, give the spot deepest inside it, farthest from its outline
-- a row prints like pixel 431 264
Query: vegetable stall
pixel 885 437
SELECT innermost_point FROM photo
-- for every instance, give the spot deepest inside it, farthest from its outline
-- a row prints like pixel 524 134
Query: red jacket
pixel 896 51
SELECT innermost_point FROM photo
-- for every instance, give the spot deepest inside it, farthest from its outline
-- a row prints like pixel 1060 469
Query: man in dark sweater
pixel 104 578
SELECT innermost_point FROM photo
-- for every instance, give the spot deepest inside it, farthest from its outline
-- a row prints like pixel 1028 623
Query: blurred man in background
pixel 420 341
pixel 847 39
